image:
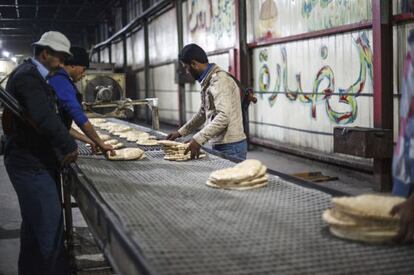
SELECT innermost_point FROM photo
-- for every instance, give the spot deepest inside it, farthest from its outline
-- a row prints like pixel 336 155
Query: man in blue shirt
pixel 68 98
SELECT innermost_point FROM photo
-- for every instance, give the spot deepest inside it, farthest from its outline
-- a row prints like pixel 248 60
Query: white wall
pixel 136 50
pixel 166 91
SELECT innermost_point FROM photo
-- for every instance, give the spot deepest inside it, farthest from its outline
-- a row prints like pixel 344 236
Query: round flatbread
pixel 104 137
pixel 384 236
pixel 370 206
pixel 111 141
pixel 97 120
pixel 118 145
pixel 257 184
pixel 148 142
pixel 338 218
pixel 126 154
pixel 169 142
pixel 243 171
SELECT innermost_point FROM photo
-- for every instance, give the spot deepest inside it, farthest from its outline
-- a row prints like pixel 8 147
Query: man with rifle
pixel 38 144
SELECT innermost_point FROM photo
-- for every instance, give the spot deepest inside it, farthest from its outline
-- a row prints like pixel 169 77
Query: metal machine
pixel 103 93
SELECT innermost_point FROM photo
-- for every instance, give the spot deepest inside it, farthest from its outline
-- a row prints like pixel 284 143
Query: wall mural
pixel 324 14
pixel 323 85
pixel 272 19
pixel 212 23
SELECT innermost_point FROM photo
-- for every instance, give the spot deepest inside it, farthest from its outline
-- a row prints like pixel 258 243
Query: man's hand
pixel 406 212
pixel 194 148
pixel 93 147
pixel 69 158
pixel 173 135
pixel 107 147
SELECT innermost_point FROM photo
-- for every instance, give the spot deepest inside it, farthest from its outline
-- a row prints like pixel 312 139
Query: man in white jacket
pixel 220 111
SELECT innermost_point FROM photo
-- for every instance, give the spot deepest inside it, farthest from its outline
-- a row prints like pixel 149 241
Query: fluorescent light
pixel 6 54
pixel 14 59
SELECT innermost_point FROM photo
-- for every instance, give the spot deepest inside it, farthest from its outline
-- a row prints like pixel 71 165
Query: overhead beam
pixel 35 20
pixel 31 35
pixel 49 6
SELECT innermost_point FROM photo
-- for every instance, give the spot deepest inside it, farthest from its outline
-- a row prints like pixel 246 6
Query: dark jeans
pixel 236 150
pixel 41 236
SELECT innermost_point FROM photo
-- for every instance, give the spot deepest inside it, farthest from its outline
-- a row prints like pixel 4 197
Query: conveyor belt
pixel 160 217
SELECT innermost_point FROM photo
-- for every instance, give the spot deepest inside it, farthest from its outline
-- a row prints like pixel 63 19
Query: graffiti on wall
pixel 324 14
pixel 212 21
pixel 282 18
pixel 323 89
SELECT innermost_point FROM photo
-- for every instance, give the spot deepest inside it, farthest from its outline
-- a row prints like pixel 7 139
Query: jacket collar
pixel 206 81
pixel 40 68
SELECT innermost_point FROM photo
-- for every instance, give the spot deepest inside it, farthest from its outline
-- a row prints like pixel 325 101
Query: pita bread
pixel 111 141
pixel 243 171
pixel 369 206
pixel 118 145
pixel 169 142
pixel 136 135
pixel 257 183
pixel 148 142
pixel 246 175
pixel 97 120
pixel 105 137
pixel 127 154
pixel 364 236
pixel 182 157
pixel 119 128
pixel 340 219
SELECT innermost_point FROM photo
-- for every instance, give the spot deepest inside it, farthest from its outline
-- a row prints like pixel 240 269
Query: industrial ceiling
pixel 23 21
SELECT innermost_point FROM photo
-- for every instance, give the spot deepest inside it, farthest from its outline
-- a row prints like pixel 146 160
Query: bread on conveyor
pixel 111 141
pixel 174 151
pixel 364 218
pixel 127 154
pixel 246 175
pixel 97 120
pixel 115 143
pixel 168 143
pixel 147 142
pixel 104 137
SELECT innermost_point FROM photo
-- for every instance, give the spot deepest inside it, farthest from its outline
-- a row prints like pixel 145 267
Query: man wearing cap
pixel 220 108
pixel 69 97
pixel 34 154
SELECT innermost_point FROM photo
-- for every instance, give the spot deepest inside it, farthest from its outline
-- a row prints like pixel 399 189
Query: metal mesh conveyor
pixel 162 215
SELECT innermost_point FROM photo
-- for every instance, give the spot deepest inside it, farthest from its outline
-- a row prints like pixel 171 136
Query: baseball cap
pixel 56 41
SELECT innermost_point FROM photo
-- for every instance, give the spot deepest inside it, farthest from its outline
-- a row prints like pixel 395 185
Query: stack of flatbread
pixel 174 150
pixel 246 175
pixel 127 154
pixel 363 218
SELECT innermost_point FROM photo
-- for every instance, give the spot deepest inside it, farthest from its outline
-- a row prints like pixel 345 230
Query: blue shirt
pixel 204 74
pixel 66 94
pixel 42 69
